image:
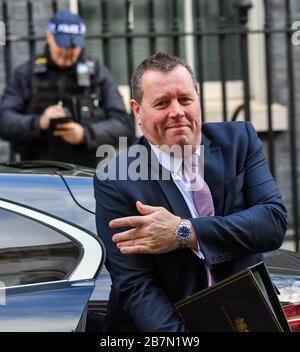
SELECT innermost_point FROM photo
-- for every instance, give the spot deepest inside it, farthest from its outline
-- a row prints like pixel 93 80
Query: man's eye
pixel 161 103
pixel 185 100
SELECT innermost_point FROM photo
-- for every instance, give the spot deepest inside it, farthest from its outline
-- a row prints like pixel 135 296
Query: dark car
pixel 52 276
pixel 50 256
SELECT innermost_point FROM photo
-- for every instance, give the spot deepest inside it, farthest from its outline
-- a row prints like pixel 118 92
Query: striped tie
pixel 203 201
pixel 201 194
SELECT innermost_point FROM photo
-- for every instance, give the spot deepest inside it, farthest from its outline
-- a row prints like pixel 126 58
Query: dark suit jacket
pixel 250 219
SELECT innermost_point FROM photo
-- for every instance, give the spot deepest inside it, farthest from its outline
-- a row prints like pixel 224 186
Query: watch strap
pixel 183 243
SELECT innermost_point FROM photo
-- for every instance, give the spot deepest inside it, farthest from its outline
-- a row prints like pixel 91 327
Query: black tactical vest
pixel 51 86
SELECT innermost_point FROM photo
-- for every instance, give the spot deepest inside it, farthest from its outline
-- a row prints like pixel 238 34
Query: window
pixel 31 252
pixel 163 24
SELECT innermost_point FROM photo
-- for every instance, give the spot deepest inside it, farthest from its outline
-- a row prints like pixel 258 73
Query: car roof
pixel 283 262
pixel 60 189
pixel 46 167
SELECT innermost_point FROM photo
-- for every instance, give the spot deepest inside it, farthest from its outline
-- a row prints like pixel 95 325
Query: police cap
pixel 68 29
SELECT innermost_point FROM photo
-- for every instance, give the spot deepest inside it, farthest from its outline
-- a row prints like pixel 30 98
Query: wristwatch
pixel 184 233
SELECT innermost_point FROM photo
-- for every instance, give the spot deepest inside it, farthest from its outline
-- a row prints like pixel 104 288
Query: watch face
pixel 184 233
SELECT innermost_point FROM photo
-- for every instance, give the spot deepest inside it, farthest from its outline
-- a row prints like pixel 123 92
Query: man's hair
pixel 158 62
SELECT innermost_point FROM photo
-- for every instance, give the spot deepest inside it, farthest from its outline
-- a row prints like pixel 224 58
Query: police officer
pixel 62 105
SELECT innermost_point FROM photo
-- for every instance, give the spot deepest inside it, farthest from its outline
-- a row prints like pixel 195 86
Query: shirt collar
pixel 169 161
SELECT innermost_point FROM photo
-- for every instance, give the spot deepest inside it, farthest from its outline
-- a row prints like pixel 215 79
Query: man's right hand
pixel 53 111
pixel 153 232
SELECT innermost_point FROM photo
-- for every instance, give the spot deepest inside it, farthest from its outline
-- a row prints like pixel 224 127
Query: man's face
pixel 169 112
pixel 63 57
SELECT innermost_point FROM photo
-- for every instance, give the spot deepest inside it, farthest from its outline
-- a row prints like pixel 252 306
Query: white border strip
pixel 92 251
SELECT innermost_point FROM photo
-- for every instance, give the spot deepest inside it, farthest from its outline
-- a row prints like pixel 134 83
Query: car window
pixel 32 252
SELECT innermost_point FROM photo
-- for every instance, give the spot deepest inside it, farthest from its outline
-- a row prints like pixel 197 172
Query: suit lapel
pixel 175 199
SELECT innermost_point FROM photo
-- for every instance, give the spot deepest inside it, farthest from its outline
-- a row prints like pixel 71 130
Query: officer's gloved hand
pixel 51 112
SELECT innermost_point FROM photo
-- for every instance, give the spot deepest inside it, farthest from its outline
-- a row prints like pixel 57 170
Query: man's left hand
pixel 153 232
pixel 70 132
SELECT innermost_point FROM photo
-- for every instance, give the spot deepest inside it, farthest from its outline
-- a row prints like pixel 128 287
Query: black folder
pixel 245 302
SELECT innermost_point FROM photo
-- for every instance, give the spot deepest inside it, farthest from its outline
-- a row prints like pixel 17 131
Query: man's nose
pixel 66 51
pixel 176 109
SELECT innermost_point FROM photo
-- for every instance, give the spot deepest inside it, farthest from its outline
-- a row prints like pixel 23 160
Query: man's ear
pixel 49 37
pixel 135 107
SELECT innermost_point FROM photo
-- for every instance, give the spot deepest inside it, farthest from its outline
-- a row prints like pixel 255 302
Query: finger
pixel 132 221
pixel 57 108
pixel 135 250
pixel 130 243
pixel 146 209
pixel 62 134
pixel 59 133
pixel 64 126
pixel 57 112
pixel 129 235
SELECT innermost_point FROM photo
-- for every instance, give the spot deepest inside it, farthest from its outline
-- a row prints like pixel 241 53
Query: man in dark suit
pixel 166 239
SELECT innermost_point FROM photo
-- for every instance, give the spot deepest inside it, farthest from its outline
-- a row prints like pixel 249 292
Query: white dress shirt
pixel 174 165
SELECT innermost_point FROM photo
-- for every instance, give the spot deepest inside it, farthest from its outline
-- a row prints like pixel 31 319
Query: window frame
pixel 92 253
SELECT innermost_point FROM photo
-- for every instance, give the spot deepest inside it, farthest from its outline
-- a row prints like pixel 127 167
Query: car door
pixel 48 269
